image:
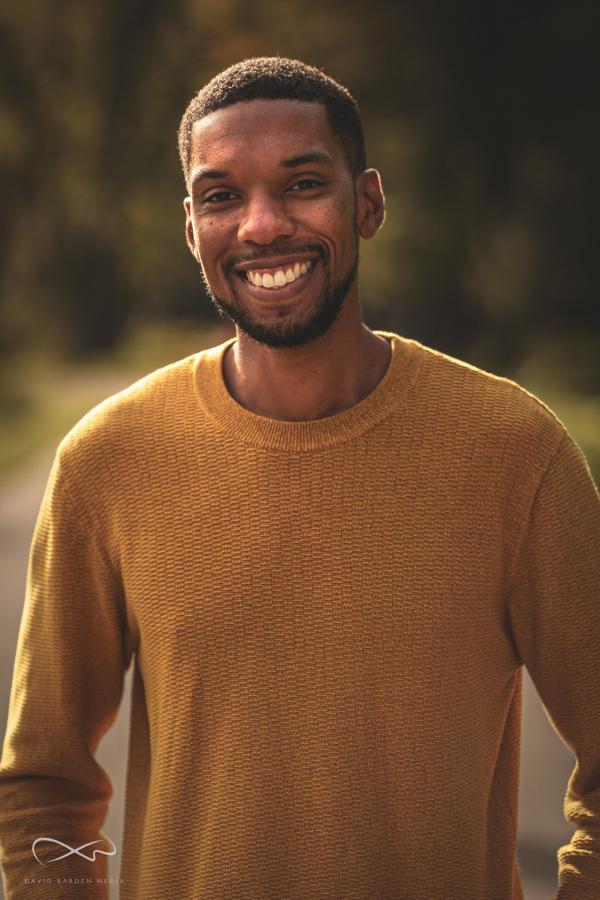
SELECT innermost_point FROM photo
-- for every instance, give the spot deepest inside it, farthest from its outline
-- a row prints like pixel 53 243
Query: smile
pixel 274 279
pixel 280 280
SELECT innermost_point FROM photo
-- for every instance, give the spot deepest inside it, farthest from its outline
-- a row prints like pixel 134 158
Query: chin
pixel 288 332
pixel 291 330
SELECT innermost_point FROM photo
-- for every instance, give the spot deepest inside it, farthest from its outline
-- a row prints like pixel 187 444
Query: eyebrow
pixel 209 173
pixel 313 156
pixel 317 156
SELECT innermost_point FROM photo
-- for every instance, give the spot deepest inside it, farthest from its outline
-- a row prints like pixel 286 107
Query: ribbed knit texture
pixel 327 621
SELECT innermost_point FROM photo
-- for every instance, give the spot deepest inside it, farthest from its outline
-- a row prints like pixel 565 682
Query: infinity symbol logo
pixel 72 850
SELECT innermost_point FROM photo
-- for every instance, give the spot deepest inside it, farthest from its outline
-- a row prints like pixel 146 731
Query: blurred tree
pixel 480 118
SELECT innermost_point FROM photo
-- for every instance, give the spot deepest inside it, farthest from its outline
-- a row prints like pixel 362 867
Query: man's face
pixel 273 218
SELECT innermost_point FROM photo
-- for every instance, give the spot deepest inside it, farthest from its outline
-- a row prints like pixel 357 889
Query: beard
pixel 301 329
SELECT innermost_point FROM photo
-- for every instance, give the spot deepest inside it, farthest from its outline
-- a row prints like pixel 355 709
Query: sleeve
pixel 71 657
pixel 554 609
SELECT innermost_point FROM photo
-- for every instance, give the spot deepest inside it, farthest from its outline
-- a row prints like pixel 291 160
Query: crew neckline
pixel 248 427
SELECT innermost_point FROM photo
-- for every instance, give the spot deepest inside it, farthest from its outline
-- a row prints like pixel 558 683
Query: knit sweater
pixel 327 622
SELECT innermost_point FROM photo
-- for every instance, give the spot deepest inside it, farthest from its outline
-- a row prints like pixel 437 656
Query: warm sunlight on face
pixel 274 218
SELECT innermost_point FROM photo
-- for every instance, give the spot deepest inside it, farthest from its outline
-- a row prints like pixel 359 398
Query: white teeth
pixel 279 278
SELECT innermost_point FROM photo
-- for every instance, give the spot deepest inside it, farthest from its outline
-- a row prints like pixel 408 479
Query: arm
pixel 72 653
pixel 554 607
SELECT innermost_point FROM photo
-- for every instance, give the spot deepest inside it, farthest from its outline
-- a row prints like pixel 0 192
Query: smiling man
pixel 329 550
pixel 279 196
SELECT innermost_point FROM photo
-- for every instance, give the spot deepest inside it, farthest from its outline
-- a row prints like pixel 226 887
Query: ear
pixel 370 203
pixel 189 229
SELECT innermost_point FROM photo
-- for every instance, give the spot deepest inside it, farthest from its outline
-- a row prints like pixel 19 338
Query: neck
pixel 318 379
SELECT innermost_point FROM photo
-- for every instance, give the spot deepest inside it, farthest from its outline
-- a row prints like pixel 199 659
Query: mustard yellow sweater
pixel 327 621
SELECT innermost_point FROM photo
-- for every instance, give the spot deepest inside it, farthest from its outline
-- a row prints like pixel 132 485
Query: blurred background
pixel 481 120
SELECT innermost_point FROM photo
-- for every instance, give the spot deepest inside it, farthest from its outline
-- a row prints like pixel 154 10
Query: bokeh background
pixel 482 121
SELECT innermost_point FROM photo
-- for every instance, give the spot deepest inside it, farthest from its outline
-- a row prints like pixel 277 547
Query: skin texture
pixel 310 355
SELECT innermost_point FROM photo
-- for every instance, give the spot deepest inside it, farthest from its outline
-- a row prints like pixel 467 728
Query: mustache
pixel 269 252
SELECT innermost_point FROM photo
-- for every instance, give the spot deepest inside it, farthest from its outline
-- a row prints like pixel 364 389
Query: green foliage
pixel 479 118
pixel 44 396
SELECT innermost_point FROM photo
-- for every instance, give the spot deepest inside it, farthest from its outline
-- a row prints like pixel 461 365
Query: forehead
pixel 261 130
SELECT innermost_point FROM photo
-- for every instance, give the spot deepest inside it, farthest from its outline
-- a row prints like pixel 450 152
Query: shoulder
pixel 501 415
pixel 128 418
pixel 493 398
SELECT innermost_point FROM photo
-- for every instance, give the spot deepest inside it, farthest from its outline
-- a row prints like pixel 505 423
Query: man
pixel 329 551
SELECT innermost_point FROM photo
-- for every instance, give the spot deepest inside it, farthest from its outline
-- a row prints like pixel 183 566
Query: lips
pixel 265 281
pixel 276 278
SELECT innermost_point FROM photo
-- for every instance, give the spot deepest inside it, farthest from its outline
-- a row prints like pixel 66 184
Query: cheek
pixel 335 224
pixel 329 221
pixel 211 242
pixel 337 214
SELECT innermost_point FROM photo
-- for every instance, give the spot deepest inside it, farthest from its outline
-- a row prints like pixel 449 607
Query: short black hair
pixel 278 78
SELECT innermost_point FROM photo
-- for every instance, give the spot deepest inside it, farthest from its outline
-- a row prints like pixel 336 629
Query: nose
pixel 265 220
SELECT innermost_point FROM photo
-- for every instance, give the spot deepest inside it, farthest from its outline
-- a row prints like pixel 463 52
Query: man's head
pixel 276 78
pixel 274 160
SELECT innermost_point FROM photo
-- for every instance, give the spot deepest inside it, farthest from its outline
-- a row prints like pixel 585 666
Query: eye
pixel 219 197
pixel 305 184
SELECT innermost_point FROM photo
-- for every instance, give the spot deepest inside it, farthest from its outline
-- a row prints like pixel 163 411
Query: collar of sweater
pixel 227 414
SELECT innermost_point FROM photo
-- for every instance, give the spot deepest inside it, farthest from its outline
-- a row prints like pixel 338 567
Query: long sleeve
pixel 554 606
pixel 71 656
